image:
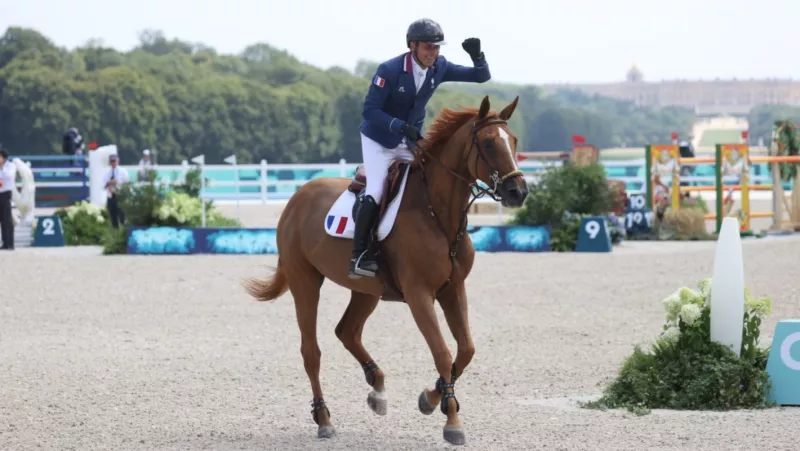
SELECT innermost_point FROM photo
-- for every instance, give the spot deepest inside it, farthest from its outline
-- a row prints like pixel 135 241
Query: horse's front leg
pixel 454 305
pixel 422 309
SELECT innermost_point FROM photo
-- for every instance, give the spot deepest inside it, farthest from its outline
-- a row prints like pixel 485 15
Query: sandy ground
pixel 168 353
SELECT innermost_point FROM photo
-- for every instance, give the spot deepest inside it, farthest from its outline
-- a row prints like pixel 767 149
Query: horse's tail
pixel 270 288
pixel 24 171
pixel 24 198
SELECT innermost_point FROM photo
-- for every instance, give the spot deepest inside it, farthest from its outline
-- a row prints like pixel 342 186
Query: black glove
pixel 410 132
pixel 473 47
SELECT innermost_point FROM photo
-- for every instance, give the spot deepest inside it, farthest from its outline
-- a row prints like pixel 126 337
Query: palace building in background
pixel 707 97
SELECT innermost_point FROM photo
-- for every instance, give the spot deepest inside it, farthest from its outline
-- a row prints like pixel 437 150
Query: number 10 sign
pixel 638 218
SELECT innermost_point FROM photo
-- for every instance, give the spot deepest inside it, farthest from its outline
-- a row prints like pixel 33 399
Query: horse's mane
pixel 446 125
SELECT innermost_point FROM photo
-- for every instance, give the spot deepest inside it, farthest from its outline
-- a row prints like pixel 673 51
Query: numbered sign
pixel 49 232
pixel 638 218
pixel 783 364
pixel 593 235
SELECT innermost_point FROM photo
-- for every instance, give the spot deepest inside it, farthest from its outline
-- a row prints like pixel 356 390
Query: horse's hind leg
pixel 349 332
pixel 305 290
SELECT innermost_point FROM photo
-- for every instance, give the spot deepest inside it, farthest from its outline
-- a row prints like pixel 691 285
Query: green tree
pixel 183 98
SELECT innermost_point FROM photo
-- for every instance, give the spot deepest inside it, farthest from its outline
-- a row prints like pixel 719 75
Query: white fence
pixel 232 188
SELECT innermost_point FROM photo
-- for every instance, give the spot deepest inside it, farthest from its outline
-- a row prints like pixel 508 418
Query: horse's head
pixel 492 155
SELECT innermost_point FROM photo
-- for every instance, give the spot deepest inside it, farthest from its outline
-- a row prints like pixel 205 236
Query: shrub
pixel 562 196
pixel 683 224
pixel 191 183
pixel 697 203
pixel 83 223
pixel 182 210
pixel 115 241
pixel 686 370
pixel 151 205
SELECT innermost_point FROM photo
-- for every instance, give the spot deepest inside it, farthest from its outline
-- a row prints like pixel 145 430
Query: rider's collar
pixel 411 65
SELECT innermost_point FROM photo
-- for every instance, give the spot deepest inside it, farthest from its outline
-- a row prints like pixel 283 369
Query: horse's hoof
pixel 326 432
pixel 423 404
pixel 454 436
pixel 377 401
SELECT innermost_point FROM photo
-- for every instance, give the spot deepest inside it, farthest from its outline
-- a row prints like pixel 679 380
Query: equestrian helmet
pixel 425 30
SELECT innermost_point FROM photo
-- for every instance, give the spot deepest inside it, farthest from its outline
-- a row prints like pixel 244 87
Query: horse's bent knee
pixel 348 340
pixel 468 352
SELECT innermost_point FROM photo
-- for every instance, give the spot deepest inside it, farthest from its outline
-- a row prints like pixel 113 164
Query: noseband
pixel 476 190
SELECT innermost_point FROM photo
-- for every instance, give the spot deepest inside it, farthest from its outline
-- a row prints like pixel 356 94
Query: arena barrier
pixel 61 180
pixel 730 160
pixel 177 240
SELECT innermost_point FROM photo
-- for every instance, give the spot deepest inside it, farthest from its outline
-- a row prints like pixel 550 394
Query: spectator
pixel 144 164
pixel 113 178
pixel 72 144
pixel 8 179
pixel 686 151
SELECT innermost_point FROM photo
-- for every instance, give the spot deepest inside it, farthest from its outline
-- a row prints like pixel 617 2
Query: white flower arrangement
pixel 180 207
pixel 88 208
pixel 685 306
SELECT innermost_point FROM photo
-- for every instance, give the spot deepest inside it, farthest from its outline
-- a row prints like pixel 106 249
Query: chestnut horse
pixel 427 256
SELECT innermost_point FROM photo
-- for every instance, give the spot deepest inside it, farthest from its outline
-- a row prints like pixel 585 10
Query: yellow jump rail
pixel 729 158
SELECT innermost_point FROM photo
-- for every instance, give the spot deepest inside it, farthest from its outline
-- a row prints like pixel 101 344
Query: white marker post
pixel 232 161
pixel 727 287
pixel 201 160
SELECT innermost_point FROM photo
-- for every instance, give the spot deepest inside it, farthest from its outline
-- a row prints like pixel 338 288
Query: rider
pixel 393 112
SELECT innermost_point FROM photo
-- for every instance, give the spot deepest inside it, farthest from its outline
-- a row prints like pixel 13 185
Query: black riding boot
pixel 363 262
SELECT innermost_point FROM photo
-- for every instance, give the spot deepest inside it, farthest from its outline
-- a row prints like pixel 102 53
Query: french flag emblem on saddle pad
pixel 339 222
pixel 336 225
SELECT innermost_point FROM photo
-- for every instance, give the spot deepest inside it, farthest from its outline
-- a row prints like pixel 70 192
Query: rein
pixel 476 190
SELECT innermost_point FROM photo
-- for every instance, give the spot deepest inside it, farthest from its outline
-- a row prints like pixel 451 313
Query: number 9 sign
pixel 592 228
pixel 593 235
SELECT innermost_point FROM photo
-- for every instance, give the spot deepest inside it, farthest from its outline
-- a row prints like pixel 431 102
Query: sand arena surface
pixel 169 353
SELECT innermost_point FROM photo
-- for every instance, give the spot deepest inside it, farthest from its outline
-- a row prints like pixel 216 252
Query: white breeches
pixel 377 160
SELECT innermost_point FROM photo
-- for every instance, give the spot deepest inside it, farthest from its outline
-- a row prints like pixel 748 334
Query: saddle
pixel 391 188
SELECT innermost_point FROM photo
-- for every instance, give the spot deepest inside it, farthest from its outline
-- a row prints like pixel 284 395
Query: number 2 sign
pixel 49 232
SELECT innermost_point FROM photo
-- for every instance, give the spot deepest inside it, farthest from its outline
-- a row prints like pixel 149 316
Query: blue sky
pixel 524 41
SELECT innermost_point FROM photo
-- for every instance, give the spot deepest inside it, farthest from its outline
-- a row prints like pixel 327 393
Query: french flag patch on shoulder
pixel 378 81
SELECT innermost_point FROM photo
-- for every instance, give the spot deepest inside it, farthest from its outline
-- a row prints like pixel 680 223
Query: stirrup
pixel 356 271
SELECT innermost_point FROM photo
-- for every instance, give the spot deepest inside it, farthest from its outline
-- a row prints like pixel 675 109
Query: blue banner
pixel 179 240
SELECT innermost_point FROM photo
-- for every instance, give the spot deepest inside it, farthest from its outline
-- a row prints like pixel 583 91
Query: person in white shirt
pixel 145 163
pixel 8 180
pixel 115 177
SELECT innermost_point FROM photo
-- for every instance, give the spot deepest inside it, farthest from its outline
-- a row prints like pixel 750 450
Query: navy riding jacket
pixel 392 99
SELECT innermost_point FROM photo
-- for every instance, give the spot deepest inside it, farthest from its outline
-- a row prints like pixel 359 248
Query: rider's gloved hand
pixel 473 47
pixel 410 132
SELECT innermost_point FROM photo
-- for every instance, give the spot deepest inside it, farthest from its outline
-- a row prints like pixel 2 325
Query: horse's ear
pixel 509 110
pixel 484 108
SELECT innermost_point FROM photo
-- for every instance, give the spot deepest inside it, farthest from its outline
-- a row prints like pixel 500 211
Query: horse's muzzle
pixel 513 192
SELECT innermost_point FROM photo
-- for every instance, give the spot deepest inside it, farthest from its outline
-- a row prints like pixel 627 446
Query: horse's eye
pixel 487 144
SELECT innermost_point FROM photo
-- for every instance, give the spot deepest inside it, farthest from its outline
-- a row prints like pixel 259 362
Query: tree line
pixel 183 99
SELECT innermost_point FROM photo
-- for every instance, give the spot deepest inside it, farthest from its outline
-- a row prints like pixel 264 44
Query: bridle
pixel 476 190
